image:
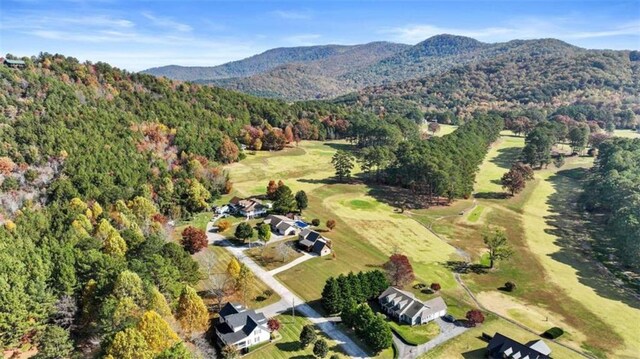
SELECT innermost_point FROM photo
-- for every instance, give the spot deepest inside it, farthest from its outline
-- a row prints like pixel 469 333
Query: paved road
pixel 447 331
pixel 289 299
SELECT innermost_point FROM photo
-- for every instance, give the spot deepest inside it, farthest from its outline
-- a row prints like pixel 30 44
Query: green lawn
pixel 627 133
pixel 417 334
pixel 498 161
pixel 288 346
pixel 469 345
pixel 475 214
pixel 269 258
pixel 444 129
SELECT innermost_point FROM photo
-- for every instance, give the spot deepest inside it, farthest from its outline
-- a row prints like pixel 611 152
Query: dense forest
pixel 94 162
pixel 612 190
pixel 527 80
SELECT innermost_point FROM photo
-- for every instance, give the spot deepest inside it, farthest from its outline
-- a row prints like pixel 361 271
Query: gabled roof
pixel 406 303
pixel 239 322
pixel 539 346
pixel 504 347
pixel 14 62
pixel 275 219
pixel 319 245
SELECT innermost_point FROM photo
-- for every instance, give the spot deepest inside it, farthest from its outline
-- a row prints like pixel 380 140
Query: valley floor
pixel 557 285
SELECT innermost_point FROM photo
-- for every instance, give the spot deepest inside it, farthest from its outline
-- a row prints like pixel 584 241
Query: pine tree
pixel 331 296
pixel 343 163
pixel 284 201
pixel 307 336
pixel 301 200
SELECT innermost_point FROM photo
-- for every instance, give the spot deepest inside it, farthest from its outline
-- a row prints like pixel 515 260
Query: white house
pixel 249 207
pixel 405 307
pixel 241 327
pixel 282 225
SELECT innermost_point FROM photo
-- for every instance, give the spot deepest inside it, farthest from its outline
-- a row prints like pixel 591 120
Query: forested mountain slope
pixel 339 56
pixel 541 74
pixel 94 162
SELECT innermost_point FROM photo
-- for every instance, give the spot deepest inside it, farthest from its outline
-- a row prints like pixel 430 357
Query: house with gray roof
pixel 313 242
pixel 406 308
pixel 241 327
pixel 248 207
pixel 18 64
pixel 282 225
pixel 501 347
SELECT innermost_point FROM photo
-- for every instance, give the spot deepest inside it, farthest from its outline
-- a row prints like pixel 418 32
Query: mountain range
pixel 322 72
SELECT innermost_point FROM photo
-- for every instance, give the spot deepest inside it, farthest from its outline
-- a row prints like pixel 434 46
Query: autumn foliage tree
pixel 6 165
pixel 474 317
pixel 191 313
pixel 272 187
pixel 228 151
pixel 273 324
pixel 331 224
pixel 399 270
pixel 156 332
pixel 194 240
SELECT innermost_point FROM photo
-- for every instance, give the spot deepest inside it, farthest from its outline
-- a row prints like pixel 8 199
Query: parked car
pixel 449 318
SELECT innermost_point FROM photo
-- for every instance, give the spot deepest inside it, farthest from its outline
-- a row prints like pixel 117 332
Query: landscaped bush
pixel 509 286
pixel 435 287
pixel 419 286
pixel 554 333
pixel 474 317
pixel 223 225
pixel 315 222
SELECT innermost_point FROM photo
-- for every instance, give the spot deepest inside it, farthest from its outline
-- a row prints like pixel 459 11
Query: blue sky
pixel 138 34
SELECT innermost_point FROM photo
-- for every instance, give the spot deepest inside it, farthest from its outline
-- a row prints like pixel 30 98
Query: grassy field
pixel 417 334
pixel 557 285
pixel 288 346
pixel 627 133
pixel 471 346
pixel 444 129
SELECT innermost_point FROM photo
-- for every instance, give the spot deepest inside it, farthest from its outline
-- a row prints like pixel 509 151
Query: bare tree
pixel 283 250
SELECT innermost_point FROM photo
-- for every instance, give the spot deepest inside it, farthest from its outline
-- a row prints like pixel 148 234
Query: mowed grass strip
pixel 469 345
pixel 501 155
pixel 288 346
pixel 417 334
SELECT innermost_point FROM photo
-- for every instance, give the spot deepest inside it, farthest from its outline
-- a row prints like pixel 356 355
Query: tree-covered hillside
pixel 536 76
pixel 340 55
pixel 94 162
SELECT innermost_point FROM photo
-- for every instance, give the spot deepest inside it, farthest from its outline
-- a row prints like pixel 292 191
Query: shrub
pixel 315 222
pixel 273 324
pixel 30 175
pixel 435 287
pixel 474 317
pixel 223 225
pixel 320 348
pixel 419 286
pixel 194 240
pixel 331 224
pixel 509 286
pixel 554 333
pixel 267 293
pixel 307 336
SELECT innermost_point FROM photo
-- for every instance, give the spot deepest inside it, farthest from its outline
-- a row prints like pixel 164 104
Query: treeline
pixel 348 295
pixel 446 166
pixel 612 189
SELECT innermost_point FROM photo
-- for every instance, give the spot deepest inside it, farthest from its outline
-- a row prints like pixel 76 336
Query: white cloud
pixel 291 14
pixel 166 22
pixel 525 28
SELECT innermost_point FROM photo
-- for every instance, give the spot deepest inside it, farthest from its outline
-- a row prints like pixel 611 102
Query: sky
pixel 139 34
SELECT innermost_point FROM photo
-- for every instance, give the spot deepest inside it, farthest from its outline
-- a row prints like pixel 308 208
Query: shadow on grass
pixel 289 346
pixel 340 146
pixel 475 354
pixel 403 198
pixel 506 157
pixel 463 267
pixel 576 234
pixel 491 195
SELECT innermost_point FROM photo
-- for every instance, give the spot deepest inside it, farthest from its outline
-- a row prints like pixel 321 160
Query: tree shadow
pixel 491 195
pixel 288 346
pixel 340 146
pixel 506 157
pixel 576 234
pixel 463 267
pixel 403 198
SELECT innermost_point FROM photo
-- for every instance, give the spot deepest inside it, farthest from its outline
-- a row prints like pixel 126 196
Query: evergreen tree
pixel 54 343
pixel 301 200
pixel 331 296
pixel 307 336
pixel 284 201
pixel 343 163
pixel 320 348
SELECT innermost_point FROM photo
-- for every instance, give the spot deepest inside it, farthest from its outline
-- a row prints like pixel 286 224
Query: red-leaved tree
pixel 399 270
pixel 474 317
pixel 435 287
pixel 194 239
pixel 273 324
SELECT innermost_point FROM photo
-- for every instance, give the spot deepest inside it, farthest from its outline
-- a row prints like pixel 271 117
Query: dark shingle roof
pixel 319 245
pixel 504 347
pixel 238 325
pixel 231 308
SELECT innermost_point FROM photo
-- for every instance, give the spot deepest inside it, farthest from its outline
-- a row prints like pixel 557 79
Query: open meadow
pixel 553 282
pixel 557 283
